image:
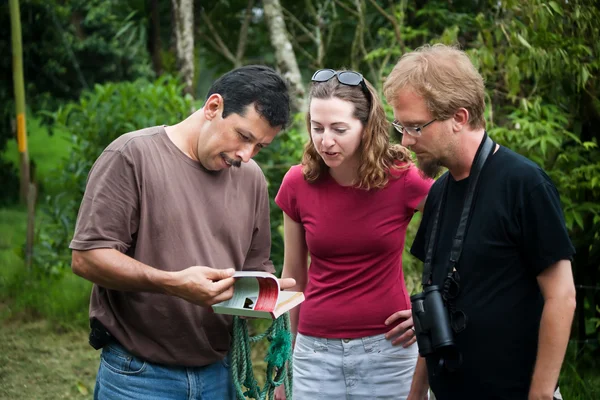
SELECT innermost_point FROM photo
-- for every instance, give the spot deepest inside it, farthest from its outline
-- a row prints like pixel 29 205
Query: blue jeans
pixel 124 376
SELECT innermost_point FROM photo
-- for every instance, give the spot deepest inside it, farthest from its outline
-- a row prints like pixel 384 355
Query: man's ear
pixel 213 106
pixel 460 119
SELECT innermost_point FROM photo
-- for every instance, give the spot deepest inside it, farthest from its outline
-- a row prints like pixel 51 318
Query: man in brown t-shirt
pixel 168 215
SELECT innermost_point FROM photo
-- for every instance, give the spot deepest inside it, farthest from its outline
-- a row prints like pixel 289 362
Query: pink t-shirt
pixel 355 240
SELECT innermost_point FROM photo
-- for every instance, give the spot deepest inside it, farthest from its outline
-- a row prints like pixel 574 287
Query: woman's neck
pixel 345 175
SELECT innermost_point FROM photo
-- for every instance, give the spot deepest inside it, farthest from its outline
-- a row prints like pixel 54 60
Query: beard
pixel 234 163
pixel 430 168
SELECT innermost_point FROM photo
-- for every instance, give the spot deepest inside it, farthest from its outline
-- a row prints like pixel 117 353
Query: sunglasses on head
pixel 349 78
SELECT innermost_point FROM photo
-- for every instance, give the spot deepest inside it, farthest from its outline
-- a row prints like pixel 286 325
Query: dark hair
pixel 254 84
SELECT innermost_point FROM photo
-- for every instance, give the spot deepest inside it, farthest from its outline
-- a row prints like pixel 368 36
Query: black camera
pixel 435 335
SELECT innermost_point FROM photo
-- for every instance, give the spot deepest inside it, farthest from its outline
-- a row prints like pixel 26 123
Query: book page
pixel 245 294
pixel 268 294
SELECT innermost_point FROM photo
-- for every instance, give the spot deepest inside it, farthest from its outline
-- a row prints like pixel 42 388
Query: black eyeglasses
pixel 349 78
pixel 412 131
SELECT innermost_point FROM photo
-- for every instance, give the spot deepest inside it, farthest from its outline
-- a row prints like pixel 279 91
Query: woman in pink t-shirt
pixel 348 206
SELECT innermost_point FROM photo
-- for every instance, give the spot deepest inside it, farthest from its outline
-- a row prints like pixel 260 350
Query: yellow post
pixel 19 88
pixel 28 192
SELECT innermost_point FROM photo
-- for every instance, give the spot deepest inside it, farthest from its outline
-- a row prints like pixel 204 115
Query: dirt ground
pixel 37 362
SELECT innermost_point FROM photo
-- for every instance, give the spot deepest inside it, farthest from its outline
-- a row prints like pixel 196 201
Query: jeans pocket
pixel 120 361
pixel 385 348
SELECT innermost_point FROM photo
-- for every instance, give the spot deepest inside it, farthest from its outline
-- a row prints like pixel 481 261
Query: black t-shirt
pixel 515 231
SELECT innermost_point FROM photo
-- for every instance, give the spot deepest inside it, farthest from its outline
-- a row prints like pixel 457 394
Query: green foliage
pixel 10 183
pixel 99 117
pixel 62 300
pixel 540 131
pixel 67 47
pixel 275 160
pixel 46 151
pixel 579 379
pixel 12 235
pixel 411 266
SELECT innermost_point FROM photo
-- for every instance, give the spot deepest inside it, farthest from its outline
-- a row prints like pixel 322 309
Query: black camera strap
pixel 486 149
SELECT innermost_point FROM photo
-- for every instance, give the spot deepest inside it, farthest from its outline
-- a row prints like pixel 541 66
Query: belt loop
pixel 369 342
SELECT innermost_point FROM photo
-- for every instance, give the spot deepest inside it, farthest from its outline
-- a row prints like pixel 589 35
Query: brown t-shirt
pixel 147 199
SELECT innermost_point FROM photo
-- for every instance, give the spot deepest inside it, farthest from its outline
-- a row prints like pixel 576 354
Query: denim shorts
pixel 363 368
pixel 124 376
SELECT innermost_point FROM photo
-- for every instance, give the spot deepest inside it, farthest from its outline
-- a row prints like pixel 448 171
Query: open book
pixel 256 294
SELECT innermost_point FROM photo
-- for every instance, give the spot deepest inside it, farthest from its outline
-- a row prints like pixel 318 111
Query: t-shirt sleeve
pixel 545 237
pixel 109 214
pixel 258 257
pixel 286 196
pixel 416 186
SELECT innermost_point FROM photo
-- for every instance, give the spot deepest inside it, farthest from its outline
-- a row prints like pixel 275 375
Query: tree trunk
pixel 154 43
pixel 183 12
pixel 286 59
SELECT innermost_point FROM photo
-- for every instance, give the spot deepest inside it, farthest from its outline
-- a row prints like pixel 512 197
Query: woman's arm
pixel 295 262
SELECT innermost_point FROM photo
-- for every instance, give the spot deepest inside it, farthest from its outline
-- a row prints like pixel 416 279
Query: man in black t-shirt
pixel 516 283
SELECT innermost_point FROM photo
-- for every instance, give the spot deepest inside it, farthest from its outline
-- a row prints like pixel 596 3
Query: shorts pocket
pixel 118 360
pixel 307 346
pixel 384 348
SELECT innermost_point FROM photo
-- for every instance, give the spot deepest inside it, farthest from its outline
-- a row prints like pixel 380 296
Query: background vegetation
pixel 97 69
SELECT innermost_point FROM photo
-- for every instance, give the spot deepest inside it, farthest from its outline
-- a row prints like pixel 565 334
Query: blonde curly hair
pixel 378 157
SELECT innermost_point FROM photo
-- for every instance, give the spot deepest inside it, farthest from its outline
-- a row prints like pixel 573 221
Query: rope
pixel 278 358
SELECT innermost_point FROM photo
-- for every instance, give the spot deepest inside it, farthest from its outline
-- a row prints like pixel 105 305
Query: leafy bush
pixel 67 46
pixel 275 161
pixel 10 183
pixel 99 117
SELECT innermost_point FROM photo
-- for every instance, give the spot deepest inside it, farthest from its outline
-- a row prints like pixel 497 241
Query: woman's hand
pixel 404 332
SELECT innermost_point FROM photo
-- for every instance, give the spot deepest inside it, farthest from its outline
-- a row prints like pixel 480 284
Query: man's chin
pixel 230 162
pixel 429 168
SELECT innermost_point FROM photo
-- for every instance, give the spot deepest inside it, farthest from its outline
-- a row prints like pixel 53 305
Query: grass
pixel 44 150
pixel 12 232
pixel 63 300
pixel 37 361
pixel 40 358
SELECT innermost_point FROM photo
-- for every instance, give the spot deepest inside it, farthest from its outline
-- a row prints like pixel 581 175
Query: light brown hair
pixel 377 155
pixel 445 77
